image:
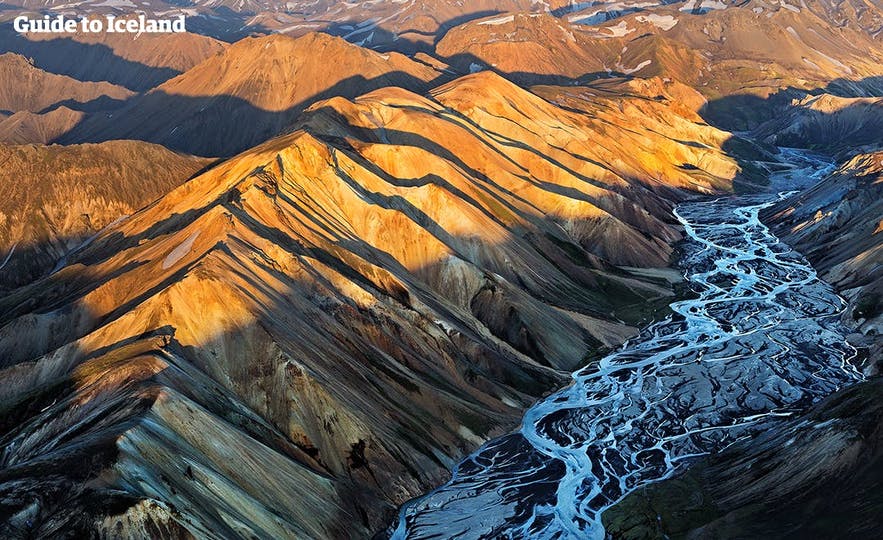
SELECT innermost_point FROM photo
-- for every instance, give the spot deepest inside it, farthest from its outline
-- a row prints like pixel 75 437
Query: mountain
pixel 57 197
pixel 827 123
pixel 313 331
pixel 26 127
pixel 405 26
pixel 25 87
pixel 749 60
pixel 835 223
pixel 136 62
pixel 253 90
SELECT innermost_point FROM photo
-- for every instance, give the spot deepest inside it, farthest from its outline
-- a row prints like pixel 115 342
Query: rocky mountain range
pixel 276 276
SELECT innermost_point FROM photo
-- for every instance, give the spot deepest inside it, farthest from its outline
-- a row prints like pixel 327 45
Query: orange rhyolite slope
pixel 300 339
pixel 752 49
pixel 252 91
pixel 138 62
pixel 25 87
pixel 58 196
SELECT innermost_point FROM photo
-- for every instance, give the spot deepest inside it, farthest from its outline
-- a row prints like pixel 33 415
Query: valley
pixel 431 269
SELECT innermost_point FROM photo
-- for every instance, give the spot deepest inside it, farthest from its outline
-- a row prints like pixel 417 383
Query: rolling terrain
pixel 279 285
pixel 262 83
pixel 57 197
pixel 349 308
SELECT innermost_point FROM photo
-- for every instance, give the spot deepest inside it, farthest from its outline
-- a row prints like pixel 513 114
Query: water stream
pixel 761 341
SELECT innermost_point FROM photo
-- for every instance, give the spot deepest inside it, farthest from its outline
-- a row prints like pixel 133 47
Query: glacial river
pixel 761 341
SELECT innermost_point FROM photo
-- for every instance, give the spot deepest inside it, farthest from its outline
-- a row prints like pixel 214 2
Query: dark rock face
pixel 837 225
pixel 817 477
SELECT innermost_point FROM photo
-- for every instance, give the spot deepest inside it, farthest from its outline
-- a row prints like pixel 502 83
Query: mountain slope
pixel 26 127
pixel 58 196
pixel 828 124
pixel 738 56
pixel 836 224
pixel 349 309
pixel 250 92
pixel 25 87
pixel 133 61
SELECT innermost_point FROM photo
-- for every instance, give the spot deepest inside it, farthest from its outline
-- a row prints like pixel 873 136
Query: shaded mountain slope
pixel 836 224
pixel 27 127
pixel 308 334
pixel 133 61
pixel 828 124
pixel 56 197
pixel 24 87
pixel 250 92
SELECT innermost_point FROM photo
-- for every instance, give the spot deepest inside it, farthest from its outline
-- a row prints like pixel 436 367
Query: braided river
pixel 759 341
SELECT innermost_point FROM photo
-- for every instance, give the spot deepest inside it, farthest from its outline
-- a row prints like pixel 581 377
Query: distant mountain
pixel 56 197
pixel 250 92
pixel 24 87
pixel 26 127
pixel 136 62
pixel 737 56
pixel 298 340
pixel 410 25
pixel 403 25
pixel 828 123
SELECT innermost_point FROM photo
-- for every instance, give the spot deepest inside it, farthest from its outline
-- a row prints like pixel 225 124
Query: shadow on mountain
pixel 219 125
pixel 99 104
pixel 380 39
pixel 305 413
pixel 43 248
pixel 744 112
pixel 465 63
pixel 84 62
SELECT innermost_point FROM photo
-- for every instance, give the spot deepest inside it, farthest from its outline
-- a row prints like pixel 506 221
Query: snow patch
pixel 664 22
pixel 637 68
pixel 620 30
pixel 179 252
pixel 498 20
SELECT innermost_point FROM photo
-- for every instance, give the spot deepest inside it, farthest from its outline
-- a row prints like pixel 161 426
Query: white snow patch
pixel 620 30
pixel 712 4
pixel 179 252
pixel 789 7
pixel 664 22
pixel 115 4
pixel 637 68
pixel 705 6
pixel 498 20
pixel 813 64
